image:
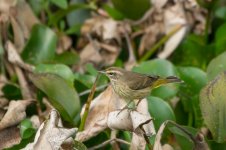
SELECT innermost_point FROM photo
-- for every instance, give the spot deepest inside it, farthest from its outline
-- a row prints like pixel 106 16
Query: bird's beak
pixel 102 71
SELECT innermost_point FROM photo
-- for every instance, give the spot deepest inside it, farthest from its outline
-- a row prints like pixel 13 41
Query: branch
pixel 107 142
pixel 90 98
pixel 160 43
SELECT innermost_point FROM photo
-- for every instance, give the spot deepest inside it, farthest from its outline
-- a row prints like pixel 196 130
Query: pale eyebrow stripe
pixel 114 71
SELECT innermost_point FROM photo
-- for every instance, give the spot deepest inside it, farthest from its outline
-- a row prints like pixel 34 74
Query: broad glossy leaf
pixel 216 66
pixel 12 92
pixel 67 58
pixel 41 45
pixel 114 13
pixel 193 52
pixel 78 16
pixel 56 17
pixel 26 129
pixel 221 12
pixel 132 9
pixel 182 138
pixel 59 69
pixel 195 79
pixel 159 110
pixel 162 68
pixel 213 107
pixel 217 146
pixel 221 39
pixel 62 96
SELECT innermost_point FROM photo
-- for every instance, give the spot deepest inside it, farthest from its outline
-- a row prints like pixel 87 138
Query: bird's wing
pixel 139 81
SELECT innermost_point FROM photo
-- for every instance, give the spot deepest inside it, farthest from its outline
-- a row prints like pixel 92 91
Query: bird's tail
pixel 162 81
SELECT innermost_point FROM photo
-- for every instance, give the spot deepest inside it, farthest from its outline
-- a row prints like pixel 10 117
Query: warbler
pixel 133 86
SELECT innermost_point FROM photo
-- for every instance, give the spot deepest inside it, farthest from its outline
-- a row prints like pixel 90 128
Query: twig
pixel 160 43
pixel 23 83
pixel 90 98
pixel 89 90
pixel 207 26
pixel 114 144
pixel 145 136
pixel 107 142
pixel 184 130
pixel 130 48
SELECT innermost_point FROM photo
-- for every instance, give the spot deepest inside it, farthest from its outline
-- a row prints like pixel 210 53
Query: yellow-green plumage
pixel 135 86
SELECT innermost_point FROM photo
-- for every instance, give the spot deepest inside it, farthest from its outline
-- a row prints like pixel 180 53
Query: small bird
pixel 133 86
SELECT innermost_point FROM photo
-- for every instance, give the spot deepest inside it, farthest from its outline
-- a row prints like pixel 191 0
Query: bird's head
pixel 113 73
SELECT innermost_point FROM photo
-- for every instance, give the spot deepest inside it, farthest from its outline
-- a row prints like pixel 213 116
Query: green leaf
pixel 182 138
pixel 114 13
pixel 132 9
pixel 79 146
pixel 195 79
pixel 85 79
pixel 41 45
pixel 216 66
pixel 78 16
pixel 160 111
pixel 191 52
pixel 67 58
pixel 56 17
pixel 11 92
pixel 217 146
pixel 213 106
pixel 60 3
pixel 221 12
pixel 58 69
pixel 62 96
pixel 221 39
pixel 26 129
pixel 162 68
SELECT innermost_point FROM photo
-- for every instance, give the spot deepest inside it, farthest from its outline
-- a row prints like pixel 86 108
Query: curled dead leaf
pixel 51 134
pixel 15 58
pixel 9 137
pixel 15 113
pixel 104 113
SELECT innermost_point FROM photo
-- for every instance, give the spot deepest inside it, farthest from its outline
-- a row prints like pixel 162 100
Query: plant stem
pixel 207 26
pixel 160 43
pixel 90 98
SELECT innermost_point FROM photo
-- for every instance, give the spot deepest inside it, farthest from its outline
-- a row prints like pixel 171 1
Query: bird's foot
pixel 128 108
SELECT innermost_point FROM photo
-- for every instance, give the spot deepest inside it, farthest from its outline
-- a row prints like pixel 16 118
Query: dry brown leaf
pixel 5 5
pixel 104 113
pixel 14 57
pixel 3 102
pixel 26 17
pixel 105 28
pixel 90 54
pixel 2 113
pixel 51 134
pixel 132 120
pixel 105 37
pixel 65 42
pixel 97 117
pixel 157 143
pixel 173 16
pixel 3 81
pixel 21 17
pixel 15 113
pixel 9 137
pixel 35 121
pixel 138 142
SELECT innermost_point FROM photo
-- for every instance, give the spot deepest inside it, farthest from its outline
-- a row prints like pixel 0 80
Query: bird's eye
pixel 111 73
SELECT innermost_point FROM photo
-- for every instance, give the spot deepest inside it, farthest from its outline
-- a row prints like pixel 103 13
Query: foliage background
pixel 59 39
